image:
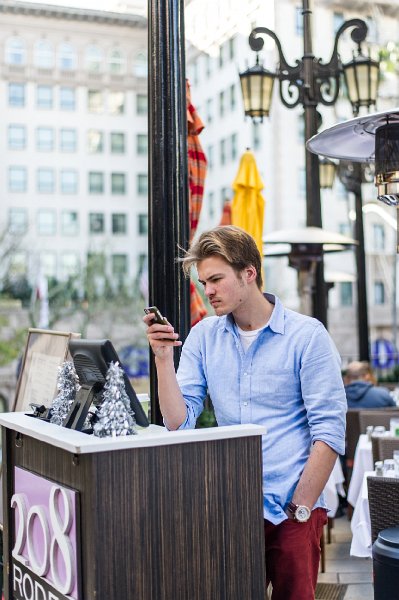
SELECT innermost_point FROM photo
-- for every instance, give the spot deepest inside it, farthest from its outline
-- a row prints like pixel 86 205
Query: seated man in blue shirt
pixel 360 388
pixel 261 363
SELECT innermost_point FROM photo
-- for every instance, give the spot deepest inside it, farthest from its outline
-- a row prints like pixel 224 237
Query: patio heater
pixel 311 82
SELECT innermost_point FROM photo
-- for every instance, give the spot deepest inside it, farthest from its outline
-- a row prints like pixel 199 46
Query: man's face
pixel 225 289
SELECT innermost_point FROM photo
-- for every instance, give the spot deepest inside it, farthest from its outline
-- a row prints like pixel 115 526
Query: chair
pixel 386 446
pixel 352 434
pixel 376 417
pixel 375 448
pixel 383 503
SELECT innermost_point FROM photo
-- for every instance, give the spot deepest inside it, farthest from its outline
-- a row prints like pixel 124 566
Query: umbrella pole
pixel 167 170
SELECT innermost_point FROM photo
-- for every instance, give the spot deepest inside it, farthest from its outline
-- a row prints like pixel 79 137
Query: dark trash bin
pixel 386 564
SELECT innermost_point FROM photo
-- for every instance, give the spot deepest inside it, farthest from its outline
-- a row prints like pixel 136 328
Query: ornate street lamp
pixel 361 78
pixel 310 82
pixel 327 170
pixel 257 88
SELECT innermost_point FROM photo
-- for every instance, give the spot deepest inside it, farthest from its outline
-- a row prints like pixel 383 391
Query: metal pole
pixel 167 171
pixel 362 318
pixel 313 201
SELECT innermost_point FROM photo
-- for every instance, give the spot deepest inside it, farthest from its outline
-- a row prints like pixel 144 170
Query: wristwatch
pixel 300 513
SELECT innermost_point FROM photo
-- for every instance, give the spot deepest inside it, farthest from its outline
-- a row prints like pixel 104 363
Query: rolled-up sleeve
pixel 323 391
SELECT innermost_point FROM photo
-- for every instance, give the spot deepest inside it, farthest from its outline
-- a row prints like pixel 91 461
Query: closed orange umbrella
pixel 248 206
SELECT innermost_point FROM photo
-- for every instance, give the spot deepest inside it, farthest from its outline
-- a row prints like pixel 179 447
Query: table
pixel 362 462
pixel 360 524
pixel 334 487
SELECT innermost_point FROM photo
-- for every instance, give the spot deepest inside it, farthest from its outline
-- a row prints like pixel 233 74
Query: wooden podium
pixel 156 516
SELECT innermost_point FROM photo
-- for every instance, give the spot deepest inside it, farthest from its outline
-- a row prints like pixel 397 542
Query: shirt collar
pixel 276 321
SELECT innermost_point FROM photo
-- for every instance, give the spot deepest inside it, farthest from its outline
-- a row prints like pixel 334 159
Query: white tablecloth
pixel 363 462
pixel 334 487
pixel 360 524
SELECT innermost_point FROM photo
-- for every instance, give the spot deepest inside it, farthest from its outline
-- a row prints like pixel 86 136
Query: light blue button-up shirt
pixel 289 381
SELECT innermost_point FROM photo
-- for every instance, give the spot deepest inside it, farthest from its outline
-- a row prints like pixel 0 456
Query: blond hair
pixel 231 243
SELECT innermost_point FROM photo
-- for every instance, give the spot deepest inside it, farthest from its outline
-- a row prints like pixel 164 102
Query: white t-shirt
pixel 248 337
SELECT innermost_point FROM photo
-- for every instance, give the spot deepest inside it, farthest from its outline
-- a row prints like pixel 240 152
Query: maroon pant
pixel 293 556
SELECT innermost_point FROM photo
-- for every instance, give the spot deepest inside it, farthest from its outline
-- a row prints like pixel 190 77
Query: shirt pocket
pixel 280 386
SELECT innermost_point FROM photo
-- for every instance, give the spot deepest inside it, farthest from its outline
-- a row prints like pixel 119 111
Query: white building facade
pixel 73 99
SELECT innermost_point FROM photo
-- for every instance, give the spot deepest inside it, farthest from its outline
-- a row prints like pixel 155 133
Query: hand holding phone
pixel 158 318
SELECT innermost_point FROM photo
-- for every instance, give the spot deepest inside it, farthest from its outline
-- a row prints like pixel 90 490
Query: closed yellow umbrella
pixel 248 206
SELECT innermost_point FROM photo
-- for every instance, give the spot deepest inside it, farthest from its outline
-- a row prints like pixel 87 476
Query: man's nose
pixel 209 290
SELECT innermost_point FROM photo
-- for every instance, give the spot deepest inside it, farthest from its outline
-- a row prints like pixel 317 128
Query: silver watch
pixel 300 512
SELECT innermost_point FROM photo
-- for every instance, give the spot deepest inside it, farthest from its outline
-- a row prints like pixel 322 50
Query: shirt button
pixel 245 373
pixel 245 403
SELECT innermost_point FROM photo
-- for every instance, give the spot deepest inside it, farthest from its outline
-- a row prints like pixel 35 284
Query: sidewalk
pixel 345 569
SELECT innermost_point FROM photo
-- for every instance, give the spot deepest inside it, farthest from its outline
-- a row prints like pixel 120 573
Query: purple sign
pixel 44 554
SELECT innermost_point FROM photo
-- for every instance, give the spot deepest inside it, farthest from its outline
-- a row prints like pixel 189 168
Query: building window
pixel 16 137
pixel 95 141
pixel 234 146
pixel 44 55
pixel 372 33
pixel 142 143
pixel 96 223
pixel 119 224
pixel 48 264
pixel 222 148
pixel 116 103
pixel 17 179
pixel 95 101
pixel 117 142
pixel 221 56
pixel 142 221
pixel 16 94
pixel 15 53
pixel 116 62
pixel 231 46
pixel 379 292
pixel 44 96
pixel 338 19
pixel 211 205
pixel 69 264
pixel 46 222
pixel 67 98
pixel 140 65
pixel 233 98
pixel 69 222
pixel 208 65
pixel 210 157
pixel 378 236
pixel 221 104
pixel 68 140
pixel 93 59
pixel 141 104
pixel 96 182
pixel 18 263
pixel 256 136
pixel 301 128
pixel 346 293
pixel 118 183
pixel 69 181
pixel 142 184
pixel 344 229
pixel 45 139
pixel 119 264
pixel 298 20
pixel 17 220
pixel 45 181
pixel 209 110
pixel 66 57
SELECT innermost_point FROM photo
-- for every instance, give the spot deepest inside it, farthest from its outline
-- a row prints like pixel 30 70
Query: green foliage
pixel 12 348
pixel 207 417
pixel 391 376
pixel 16 288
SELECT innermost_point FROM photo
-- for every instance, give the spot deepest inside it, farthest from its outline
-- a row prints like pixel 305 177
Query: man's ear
pixel 250 273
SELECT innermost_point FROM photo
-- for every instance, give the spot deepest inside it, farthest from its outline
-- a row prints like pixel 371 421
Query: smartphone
pixel 158 317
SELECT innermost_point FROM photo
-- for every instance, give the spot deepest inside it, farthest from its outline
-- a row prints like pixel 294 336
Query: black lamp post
pixel 309 82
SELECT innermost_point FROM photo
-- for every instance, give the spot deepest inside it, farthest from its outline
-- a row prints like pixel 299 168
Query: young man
pixel 261 363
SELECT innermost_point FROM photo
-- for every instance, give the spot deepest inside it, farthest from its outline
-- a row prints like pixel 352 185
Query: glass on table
pixel 389 467
pixel 396 461
pixel 369 432
pixel 379 430
pixel 379 468
pixel 394 427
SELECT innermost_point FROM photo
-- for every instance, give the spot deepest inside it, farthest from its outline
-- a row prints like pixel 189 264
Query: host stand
pixel 155 516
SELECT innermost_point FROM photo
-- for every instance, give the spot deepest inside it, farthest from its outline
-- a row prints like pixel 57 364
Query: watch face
pixel 302 514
